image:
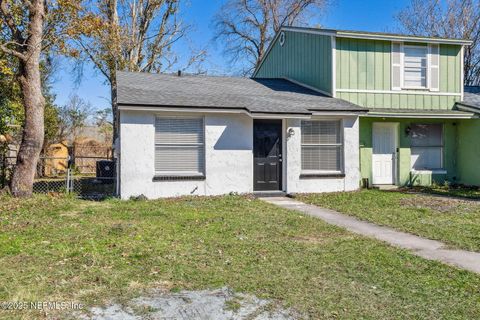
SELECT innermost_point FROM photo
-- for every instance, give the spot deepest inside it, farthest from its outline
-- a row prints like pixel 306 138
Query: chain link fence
pixel 88 177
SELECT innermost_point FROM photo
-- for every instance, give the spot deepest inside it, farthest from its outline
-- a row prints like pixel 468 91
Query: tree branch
pixel 12 52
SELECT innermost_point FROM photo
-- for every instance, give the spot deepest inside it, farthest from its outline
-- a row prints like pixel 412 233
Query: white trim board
pixel 419 115
pixel 334 65
pixel 255 115
pixel 336 113
pixel 462 73
pixel 376 36
pixel 322 32
pixel 180 109
pixel 430 93
pixel 346 34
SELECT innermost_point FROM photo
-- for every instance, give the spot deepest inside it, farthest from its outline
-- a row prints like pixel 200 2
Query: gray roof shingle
pixel 252 95
pixel 471 97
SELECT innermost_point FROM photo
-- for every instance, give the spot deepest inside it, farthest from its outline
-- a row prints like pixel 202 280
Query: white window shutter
pixel 397 62
pixel 434 67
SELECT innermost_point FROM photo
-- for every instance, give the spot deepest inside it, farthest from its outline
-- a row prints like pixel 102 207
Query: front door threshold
pixel 385 186
pixel 265 194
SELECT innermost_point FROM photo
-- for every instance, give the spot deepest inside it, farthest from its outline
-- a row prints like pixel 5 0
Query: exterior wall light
pixel 290 132
pixel 407 130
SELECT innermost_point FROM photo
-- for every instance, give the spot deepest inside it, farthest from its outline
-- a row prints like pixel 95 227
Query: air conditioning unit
pixel 105 169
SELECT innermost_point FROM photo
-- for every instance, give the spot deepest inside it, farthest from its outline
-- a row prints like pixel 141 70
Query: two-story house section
pixel 421 126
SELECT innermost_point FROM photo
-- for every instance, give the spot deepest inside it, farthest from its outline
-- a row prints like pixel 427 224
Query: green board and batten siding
pixel 366 65
pixel 304 57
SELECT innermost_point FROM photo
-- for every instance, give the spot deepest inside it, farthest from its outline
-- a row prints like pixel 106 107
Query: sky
pixel 364 15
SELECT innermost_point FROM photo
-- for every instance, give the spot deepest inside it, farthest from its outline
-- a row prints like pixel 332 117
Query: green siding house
pixel 422 125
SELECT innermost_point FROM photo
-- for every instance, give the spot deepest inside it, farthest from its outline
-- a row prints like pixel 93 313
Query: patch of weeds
pixel 233 304
pixel 88 211
pixel 175 289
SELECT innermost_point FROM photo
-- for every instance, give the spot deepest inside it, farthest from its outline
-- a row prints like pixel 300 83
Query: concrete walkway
pixel 425 248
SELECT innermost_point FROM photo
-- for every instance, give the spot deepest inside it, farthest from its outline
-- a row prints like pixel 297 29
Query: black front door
pixel 267 154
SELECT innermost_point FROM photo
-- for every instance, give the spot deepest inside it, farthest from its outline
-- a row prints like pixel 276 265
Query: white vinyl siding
pixel 322 146
pixel 415 67
pixel 427 146
pixel 179 146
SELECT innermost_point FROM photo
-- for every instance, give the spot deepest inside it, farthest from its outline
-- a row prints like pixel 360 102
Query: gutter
pixel 421 115
pixel 468 108
pixel 253 114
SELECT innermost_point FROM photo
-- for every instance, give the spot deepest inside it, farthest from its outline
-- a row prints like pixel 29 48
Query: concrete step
pixel 269 194
pixel 385 186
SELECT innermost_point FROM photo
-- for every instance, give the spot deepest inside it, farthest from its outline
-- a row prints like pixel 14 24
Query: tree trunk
pixel 34 103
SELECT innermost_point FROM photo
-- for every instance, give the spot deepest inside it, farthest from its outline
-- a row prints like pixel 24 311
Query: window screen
pixel 322 146
pixel 427 146
pixel 415 67
pixel 179 145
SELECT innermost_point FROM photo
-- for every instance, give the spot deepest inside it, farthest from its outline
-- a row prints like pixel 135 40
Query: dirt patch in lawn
pixel 205 304
pixel 441 204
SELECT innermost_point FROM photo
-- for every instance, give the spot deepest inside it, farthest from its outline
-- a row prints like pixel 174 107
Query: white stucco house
pixel 201 135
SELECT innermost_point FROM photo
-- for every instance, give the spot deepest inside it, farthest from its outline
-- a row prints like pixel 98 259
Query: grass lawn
pixel 453 221
pixel 460 191
pixel 63 249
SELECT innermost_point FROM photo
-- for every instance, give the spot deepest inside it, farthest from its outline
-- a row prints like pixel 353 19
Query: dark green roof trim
pixel 379 35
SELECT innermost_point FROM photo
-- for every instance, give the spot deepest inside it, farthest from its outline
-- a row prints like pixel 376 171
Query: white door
pixel 384 152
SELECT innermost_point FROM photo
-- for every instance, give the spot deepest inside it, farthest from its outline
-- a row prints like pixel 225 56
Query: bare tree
pixel 131 35
pixel 448 18
pixel 246 27
pixel 73 117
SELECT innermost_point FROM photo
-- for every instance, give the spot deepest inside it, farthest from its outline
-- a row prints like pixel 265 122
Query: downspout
pixel 117 155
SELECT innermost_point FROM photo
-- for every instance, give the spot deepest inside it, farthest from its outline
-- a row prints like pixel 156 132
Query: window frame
pixel 160 175
pixel 427 67
pixel 341 145
pixel 441 147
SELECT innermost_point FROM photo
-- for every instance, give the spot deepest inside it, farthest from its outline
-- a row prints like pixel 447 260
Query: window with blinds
pixel 415 66
pixel 179 145
pixel 322 146
pixel 426 146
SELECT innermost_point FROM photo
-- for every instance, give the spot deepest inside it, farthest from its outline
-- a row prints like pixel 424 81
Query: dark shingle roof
pixel 471 97
pixel 251 95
